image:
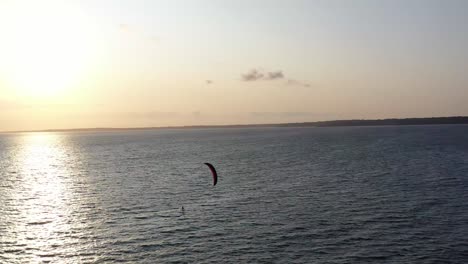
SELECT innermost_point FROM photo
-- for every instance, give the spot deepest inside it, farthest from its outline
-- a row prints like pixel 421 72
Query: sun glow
pixel 46 167
pixel 46 47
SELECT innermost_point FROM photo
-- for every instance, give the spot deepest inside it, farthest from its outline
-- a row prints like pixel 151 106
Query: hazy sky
pixel 156 63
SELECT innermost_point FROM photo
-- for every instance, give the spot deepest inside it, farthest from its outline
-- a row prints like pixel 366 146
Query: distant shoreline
pixel 453 120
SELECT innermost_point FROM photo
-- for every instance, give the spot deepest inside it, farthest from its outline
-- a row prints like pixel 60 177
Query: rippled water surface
pixel 284 195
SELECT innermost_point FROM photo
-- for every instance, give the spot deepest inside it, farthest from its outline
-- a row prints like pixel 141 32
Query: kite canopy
pixel 213 171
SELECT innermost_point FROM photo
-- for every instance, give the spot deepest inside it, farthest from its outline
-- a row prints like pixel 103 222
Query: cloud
pixel 151 115
pixel 281 114
pixel 274 75
pixel 297 83
pixel 252 75
pixel 11 105
pixel 289 116
pixel 140 116
pixel 259 75
pixel 125 28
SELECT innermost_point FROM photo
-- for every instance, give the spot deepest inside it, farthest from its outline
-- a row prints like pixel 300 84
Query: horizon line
pixel 324 123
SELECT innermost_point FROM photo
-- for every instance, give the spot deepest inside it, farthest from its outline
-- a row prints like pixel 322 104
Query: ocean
pixel 393 194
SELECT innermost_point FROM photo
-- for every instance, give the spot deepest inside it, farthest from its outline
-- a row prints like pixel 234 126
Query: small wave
pixel 150 246
pixel 14 250
pixel 142 217
pixel 47 255
pixel 40 222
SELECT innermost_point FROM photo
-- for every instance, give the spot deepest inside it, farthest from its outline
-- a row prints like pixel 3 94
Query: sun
pixel 47 46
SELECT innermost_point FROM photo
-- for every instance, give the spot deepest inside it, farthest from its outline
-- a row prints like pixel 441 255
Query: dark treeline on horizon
pixel 333 123
pixel 388 122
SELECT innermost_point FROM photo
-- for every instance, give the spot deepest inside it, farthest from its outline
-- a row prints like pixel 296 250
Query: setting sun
pixel 47 47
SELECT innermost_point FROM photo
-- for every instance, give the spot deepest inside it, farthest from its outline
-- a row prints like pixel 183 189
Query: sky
pixel 109 63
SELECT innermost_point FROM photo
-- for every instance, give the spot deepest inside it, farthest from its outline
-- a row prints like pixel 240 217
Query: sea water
pixel 396 194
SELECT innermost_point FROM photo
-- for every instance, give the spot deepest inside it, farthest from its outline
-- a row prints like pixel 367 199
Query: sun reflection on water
pixel 43 197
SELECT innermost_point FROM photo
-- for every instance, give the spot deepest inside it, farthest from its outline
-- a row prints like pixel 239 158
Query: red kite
pixel 213 171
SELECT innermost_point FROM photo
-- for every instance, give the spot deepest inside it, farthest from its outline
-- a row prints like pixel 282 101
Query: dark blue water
pixel 284 195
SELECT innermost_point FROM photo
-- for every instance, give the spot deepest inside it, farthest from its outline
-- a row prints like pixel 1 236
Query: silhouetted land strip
pixel 334 123
pixel 389 122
